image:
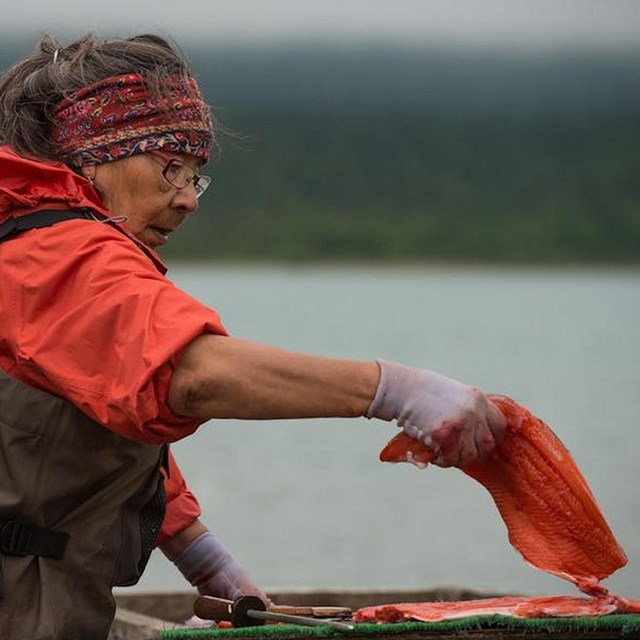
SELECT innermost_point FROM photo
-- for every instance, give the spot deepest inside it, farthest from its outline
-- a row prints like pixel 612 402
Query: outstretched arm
pixel 224 377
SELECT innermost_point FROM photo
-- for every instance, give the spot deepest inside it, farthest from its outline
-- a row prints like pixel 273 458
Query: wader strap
pixel 40 219
pixel 46 218
pixel 19 539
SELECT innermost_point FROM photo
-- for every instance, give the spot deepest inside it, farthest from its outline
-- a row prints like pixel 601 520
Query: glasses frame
pixel 200 182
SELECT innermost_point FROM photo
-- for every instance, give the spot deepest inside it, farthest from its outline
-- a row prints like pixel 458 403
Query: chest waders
pixel 80 506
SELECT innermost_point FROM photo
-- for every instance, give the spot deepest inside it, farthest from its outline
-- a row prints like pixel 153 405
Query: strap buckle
pixel 15 538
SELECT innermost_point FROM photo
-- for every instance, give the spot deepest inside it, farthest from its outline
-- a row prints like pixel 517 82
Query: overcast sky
pixel 471 22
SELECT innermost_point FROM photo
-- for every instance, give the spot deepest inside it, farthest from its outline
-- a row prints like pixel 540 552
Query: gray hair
pixel 30 89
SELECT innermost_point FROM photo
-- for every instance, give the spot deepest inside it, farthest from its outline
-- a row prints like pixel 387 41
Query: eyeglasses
pixel 180 175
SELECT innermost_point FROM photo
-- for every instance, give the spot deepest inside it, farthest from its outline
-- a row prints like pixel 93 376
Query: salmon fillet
pixel 551 515
pixel 513 606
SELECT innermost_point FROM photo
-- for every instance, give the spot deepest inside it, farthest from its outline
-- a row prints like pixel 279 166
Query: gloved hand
pixel 456 421
pixel 209 567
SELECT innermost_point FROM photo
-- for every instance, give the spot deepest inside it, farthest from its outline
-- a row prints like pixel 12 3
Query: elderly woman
pixel 104 362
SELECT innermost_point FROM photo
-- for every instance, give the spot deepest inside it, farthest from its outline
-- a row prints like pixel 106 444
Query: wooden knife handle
pixel 210 608
pixel 234 611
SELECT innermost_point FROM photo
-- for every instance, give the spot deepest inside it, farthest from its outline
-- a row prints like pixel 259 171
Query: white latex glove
pixel 456 421
pixel 209 567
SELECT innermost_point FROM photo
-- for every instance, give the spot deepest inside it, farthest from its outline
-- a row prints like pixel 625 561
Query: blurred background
pixel 451 184
pixel 407 131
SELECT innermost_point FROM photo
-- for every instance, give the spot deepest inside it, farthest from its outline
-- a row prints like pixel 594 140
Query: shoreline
pixel 409 265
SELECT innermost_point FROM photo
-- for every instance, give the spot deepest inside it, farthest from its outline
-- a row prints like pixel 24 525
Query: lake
pixel 308 504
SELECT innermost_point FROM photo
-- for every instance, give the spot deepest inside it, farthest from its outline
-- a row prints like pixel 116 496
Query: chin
pixel 150 239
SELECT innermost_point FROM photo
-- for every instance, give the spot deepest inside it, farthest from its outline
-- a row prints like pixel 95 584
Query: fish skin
pixel 551 515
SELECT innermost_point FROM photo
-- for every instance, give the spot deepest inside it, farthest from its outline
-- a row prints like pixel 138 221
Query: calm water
pixel 306 503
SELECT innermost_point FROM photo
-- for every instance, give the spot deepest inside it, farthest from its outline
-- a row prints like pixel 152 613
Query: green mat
pixel 502 627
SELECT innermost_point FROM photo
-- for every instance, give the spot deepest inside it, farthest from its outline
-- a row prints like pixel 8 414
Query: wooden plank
pixel 171 606
pixel 130 625
pixel 358 598
pixel 178 606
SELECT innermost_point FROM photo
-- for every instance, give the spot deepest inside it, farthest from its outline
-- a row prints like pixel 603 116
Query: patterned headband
pixel 118 117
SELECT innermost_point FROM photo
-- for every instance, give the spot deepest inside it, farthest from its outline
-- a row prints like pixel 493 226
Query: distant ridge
pixel 407 155
pixel 436 79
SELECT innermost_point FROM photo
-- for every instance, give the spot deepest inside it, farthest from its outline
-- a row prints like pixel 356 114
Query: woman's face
pixel 136 188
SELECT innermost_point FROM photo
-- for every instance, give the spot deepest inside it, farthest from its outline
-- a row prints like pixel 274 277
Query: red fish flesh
pixel 517 607
pixel 551 515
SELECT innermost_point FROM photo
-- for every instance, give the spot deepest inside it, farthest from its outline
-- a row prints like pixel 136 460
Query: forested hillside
pixel 418 155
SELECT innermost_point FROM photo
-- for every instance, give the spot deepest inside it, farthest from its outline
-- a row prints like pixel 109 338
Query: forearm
pixel 223 377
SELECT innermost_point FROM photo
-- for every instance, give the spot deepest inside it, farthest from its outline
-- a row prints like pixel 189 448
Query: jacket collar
pixel 28 185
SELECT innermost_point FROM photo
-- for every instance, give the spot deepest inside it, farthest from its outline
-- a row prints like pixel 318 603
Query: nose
pixel 185 199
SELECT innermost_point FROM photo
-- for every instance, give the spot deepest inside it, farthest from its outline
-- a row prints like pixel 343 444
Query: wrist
pixel 396 384
pixel 207 565
pixel 202 558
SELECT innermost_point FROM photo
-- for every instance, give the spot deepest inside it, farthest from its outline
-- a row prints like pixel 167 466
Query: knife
pixel 247 611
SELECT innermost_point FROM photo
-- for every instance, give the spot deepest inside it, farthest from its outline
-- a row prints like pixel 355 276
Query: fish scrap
pixel 512 606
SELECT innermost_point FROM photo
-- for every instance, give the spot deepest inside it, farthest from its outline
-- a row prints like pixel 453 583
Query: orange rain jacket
pixel 88 315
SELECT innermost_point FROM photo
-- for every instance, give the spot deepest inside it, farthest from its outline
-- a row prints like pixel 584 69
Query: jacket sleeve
pixel 98 324
pixel 182 505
